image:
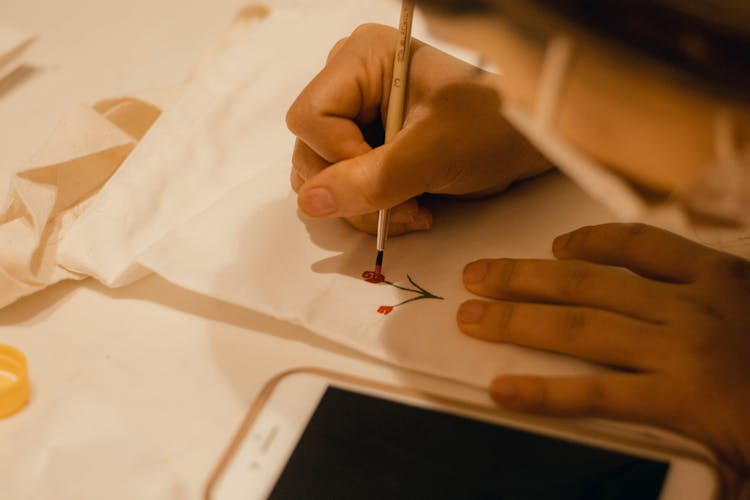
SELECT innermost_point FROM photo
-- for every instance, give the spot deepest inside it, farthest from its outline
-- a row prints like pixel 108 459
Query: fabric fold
pixel 48 196
pixel 12 43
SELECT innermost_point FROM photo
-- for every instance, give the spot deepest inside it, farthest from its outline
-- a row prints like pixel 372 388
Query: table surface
pixel 135 391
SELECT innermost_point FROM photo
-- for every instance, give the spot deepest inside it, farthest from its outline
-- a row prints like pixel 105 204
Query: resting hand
pixel 674 314
pixel 454 140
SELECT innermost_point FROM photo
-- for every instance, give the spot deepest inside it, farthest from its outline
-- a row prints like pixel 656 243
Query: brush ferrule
pixel 384 217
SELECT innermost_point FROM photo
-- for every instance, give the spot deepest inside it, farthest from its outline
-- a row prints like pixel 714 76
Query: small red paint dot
pixel 373 277
pixel 385 309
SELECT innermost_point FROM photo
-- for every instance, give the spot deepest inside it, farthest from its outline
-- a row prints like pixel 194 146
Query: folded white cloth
pixel 58 184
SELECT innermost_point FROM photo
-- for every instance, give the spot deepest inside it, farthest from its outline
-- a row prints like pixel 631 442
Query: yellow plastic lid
pixel 14 380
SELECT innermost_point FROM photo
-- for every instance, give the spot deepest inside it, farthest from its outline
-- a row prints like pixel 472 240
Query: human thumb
pixel 381 178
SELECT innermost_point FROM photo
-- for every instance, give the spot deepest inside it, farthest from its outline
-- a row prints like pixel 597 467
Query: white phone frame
pixel 262 447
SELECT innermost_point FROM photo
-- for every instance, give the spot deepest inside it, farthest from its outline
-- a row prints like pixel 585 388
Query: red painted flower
pixel 385 309
pixel 373 277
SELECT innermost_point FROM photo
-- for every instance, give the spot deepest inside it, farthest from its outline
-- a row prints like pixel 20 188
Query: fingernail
pixel 476 272
pixel 471 312
pixel 503 390
pixel 317 202
pixel 561 242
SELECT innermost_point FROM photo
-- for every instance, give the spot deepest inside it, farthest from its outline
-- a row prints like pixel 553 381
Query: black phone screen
pixel 362 447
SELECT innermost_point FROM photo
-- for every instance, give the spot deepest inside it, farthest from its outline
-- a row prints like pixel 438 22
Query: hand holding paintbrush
pixel 455 138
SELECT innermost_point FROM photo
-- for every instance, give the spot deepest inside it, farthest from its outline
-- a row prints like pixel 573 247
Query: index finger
pixel 349 91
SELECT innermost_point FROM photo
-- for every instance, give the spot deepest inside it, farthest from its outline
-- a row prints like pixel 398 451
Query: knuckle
pixel 298 160
pixel 596 397
pixel 607 235
pixel 370 196
pixel 699 337
pixel 633 230
pixel 627 237
pixel 306 109
pixel 336 48
pixel 728 266
pixel 295 116
pixel 716 264
pixel 296 181
pixel 504 322
pixel 579 278
pixel 505 277
pixel 704 340
pixel 451 168
pixel 369 30
pixel 573 323
pixel 536 396
pixel 580 238
pixel 740 268
pixel 369 182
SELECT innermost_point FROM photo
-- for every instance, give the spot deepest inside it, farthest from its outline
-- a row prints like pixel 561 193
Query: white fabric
pixel 150 382
pixel 58 184
pixel 205 201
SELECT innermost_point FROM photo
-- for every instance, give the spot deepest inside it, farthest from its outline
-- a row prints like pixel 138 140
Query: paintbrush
pixel 395 117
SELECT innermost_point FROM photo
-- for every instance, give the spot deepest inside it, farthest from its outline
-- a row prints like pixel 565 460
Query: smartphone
pixel 319 435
